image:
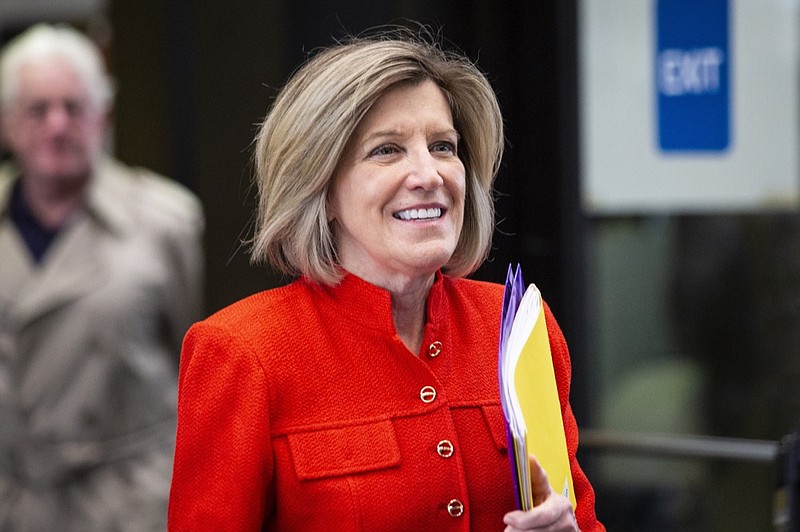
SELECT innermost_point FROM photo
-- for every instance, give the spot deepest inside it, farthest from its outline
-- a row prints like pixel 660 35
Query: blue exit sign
pixel 692 71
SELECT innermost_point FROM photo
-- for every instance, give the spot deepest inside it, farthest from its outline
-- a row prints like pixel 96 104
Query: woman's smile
pixel 423 214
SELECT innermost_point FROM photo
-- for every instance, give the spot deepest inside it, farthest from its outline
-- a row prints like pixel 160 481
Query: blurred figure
pixel 100 276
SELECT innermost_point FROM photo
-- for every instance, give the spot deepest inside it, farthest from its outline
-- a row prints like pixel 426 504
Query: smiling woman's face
pixel 398 193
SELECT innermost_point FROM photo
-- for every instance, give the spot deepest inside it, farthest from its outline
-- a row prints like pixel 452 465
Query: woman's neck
pixel 409 320
pixel 409 305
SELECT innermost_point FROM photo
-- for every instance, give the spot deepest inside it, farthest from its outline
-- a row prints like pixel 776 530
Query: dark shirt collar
pixel 37 237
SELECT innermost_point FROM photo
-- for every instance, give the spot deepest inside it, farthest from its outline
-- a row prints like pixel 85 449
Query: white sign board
pixel 689 106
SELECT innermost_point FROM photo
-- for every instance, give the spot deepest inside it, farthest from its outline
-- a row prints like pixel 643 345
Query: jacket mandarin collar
pixel 371 306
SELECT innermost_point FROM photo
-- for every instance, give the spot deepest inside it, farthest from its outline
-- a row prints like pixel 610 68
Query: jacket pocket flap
pixel 496 421
pixel 344 451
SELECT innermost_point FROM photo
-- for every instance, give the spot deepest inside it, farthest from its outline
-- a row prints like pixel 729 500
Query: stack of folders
pixel 528 392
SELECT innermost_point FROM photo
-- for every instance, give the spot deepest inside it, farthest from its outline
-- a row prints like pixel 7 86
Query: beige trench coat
pixel 89 347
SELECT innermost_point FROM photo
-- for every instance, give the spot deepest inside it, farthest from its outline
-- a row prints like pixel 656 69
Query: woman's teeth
pixel 419 214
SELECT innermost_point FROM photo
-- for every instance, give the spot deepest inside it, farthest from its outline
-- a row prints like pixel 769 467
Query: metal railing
pixel 680 446
pixel 785 454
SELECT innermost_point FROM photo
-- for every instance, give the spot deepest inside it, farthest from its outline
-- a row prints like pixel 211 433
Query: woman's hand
pixel 551 511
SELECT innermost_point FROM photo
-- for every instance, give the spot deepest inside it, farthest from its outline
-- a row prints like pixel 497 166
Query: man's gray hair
pixel 45 41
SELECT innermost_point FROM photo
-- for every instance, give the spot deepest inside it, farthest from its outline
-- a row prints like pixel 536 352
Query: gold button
pixel 427 394
pixel 455 508
pixel 434 349
pixel 445 449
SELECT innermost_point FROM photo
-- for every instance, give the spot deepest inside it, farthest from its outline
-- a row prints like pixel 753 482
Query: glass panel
pixel 696 332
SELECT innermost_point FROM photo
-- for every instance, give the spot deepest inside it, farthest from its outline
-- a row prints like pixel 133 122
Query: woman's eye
pixel 383 150
pixel 444 147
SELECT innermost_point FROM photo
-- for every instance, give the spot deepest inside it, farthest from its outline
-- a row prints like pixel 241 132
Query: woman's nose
pixel 424 171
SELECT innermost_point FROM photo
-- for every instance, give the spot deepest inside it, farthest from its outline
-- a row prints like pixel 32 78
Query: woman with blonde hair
pixel 363 395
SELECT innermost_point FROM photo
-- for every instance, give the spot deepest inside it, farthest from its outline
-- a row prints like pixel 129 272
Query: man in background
pixel 101 273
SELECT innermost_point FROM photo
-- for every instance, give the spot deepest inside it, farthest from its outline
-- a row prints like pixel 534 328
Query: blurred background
pixel 649 188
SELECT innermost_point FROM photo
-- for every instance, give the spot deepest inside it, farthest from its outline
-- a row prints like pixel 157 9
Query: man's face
pixel 52 125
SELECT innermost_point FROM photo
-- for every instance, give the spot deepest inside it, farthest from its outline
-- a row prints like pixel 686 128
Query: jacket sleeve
pixel 584 493
pixel 223 461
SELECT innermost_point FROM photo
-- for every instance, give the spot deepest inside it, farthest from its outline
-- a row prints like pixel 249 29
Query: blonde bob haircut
pixel 311 121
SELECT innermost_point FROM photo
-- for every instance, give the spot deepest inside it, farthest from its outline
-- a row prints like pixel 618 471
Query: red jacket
pixel 299 408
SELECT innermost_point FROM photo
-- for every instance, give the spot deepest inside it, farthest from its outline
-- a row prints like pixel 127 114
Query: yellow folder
pixel 529 394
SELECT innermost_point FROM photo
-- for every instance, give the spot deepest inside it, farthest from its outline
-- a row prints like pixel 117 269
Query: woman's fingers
pixel 540 485
pixel 551 511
